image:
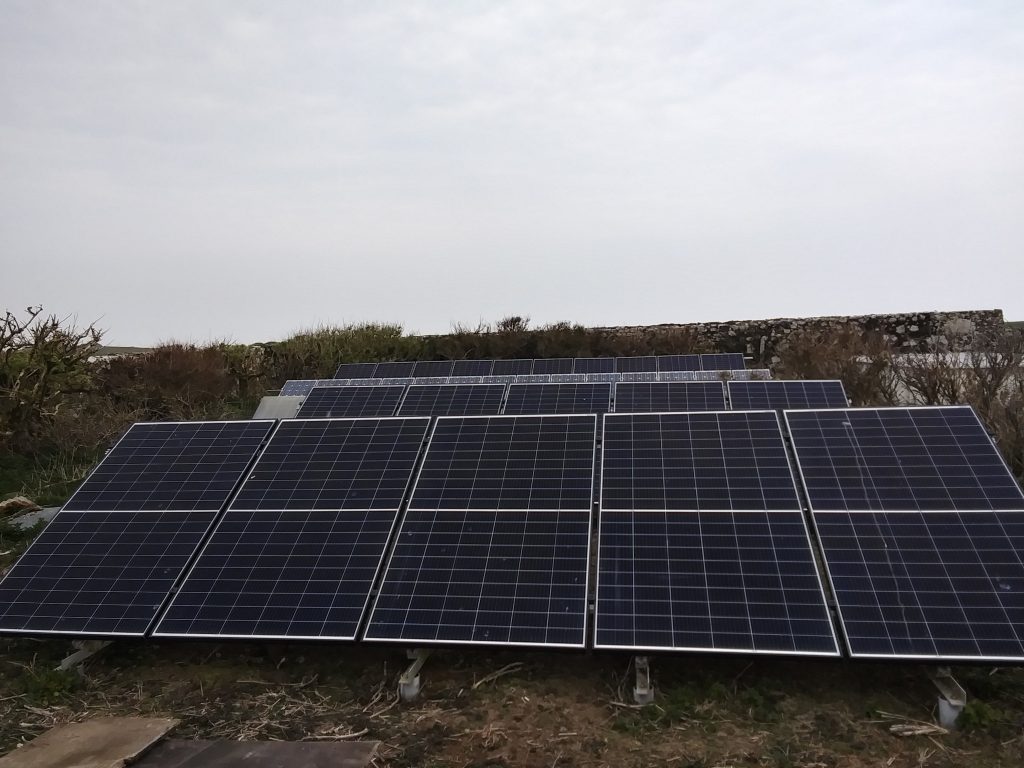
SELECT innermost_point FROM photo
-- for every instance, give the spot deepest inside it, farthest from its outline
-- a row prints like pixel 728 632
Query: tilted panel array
pixel 108 560
pixel 702 541
pixel 297 552
pixel 642 397
pixel 782 395
pixel 452 400
pixel 558 398
pixel 922 529
pixel 494 546
pixel 350 402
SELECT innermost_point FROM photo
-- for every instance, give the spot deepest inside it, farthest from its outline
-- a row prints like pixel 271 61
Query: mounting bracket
pixel 86 649
pixel 952 696
pixel 643 691
pixel 409 682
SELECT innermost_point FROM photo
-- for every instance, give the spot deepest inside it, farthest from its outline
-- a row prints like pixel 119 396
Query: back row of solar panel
pixel 560 365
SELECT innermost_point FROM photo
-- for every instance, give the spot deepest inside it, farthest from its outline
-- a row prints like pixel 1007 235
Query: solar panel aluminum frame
pixel 508 392
pixel 382 574
pixel 615 394
pixel 731 651
pixel 803 480
pixel 197 556
pixel 746 380
pixel 214 520
pixel 438 419
pixel 449 383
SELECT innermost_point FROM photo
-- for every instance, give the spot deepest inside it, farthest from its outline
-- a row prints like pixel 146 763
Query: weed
pixel 46 686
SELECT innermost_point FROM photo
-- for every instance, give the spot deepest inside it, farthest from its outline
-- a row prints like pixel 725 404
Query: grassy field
pixel 540 710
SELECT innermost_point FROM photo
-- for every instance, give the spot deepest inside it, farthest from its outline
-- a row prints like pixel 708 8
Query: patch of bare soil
pixel 482 709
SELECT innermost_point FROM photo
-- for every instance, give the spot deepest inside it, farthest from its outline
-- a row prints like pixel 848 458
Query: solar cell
pixel 296 554
pixel 552 365
pixel 732 582
pixel 593 365
pixel 928 585
pixel 520 463
pixel 452 400
pixel 730 361
pixel 173 465
pixel 351 402
pixel 779 395
pixel 925 458
pixel 558 398
pixel 294 387
pixel 472 367
pixel 647 364
pixel 669 363
pixel 730 460
pixel 512 368
pixel 325 464
pixel 669 396
pixel 355 371
pixel 394 370
pixel 433 369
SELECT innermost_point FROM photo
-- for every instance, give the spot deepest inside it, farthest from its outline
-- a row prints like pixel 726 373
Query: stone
pixel 17 504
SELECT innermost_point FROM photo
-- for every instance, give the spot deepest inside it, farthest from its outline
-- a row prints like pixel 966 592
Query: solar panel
pixel 512 368
pixel 558 398
pixel 355 371
pixel 104 566
pixel 433 368
pixel 779 395
pixel 928 458
pixel 301 564
pixel 452 400
pixel 927 585
pixel 552 365
pixel 472 367
pixel 494 547
pixel 394 370
pixel 351 402
pixel 702 542
pixel 669 396
pixel 668 363
pixel 294 387
pixel 731 361
pixel 173 465
pixel 593 365
pixel 647 364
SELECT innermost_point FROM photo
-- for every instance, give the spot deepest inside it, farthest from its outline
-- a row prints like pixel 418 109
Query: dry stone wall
pixel 909 332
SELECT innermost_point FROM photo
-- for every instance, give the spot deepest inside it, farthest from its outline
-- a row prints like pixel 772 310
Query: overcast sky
pixel 199 170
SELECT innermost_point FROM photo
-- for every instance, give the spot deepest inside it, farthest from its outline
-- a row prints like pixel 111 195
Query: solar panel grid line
pixel 452 400
pixel 538 398
pixel 947 617
pixel 1010 495
pixel 351 402
pixel 645 397
pixel 787 394
pixel 678 363
pixel 341 516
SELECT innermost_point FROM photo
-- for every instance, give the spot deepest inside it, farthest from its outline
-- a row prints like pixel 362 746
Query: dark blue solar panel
pixel 178 465
pixel 593 365
pixel 558 398
pixel 452 400
pixel 900 459
pixel 394 370
pixel 512 368
pixel 100 573
pixel 472 367
pixel 515 463
pixel 509 577
pixel 351 402
pixel 552 365
pixel 930 585
pixel 647 364
pixel 780 395
pixel 669 396
pixel 696 461
pixel 731 361
pixel 334 464
pixel 355 371
pixel 433 369
pixel 668 363
pixel 710 581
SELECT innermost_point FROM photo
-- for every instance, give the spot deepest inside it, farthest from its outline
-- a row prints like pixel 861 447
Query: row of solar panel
pixel 488 399
pixel 540 366
pixel 298 387
pixel 702 544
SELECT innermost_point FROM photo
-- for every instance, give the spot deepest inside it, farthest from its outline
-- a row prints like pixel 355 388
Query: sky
pixel 243 170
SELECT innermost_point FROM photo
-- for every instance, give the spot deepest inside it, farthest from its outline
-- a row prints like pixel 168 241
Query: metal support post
pixel 86 649
pixel 409 682
pixel 643 692
pixel 952 696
